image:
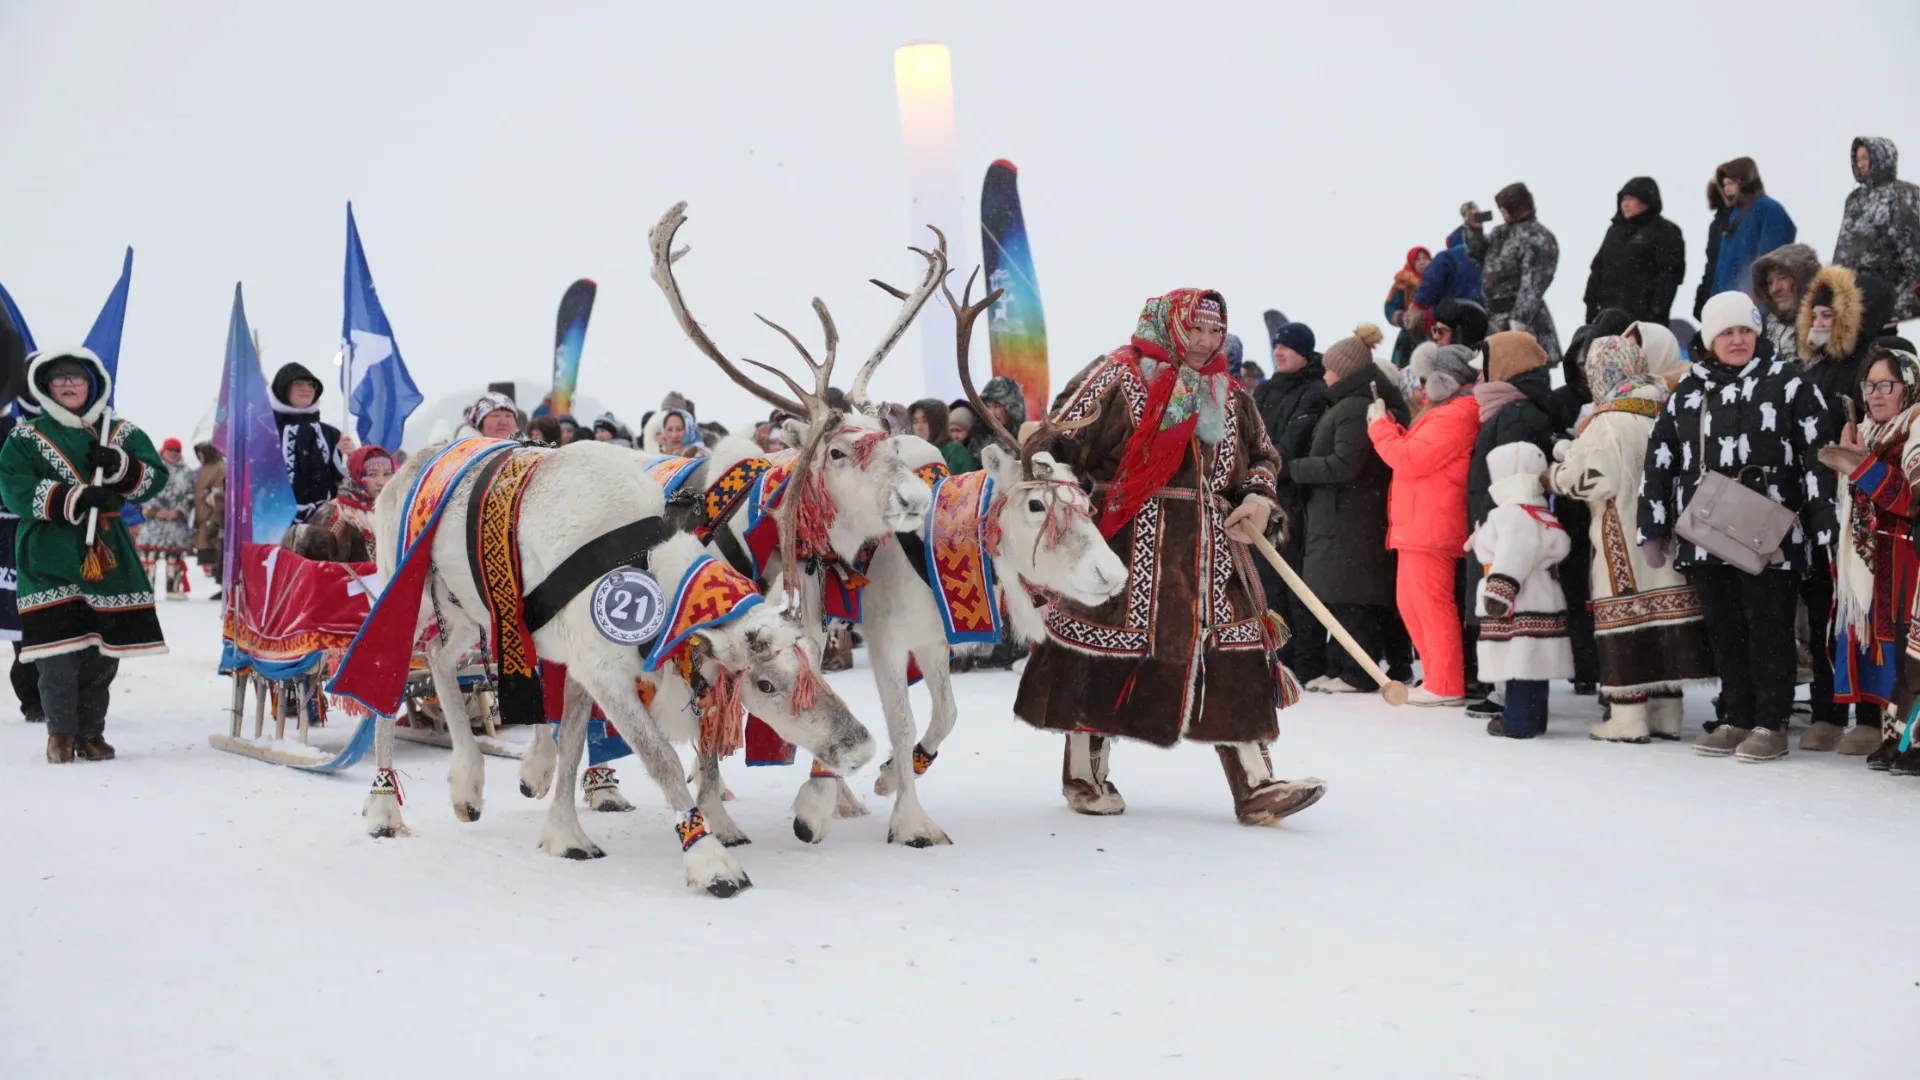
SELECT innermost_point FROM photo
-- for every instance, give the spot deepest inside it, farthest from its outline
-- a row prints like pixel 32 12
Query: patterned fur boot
pixel 1083 776
pixel 1258 798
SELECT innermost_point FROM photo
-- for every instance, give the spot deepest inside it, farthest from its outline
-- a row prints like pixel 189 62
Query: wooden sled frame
pixel 426 724
pixel 295 699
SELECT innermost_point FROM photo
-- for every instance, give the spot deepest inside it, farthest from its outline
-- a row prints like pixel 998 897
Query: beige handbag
pixel 1733 522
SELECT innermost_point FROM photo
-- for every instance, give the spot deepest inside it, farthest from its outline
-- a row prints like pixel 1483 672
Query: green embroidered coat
pixel 42 473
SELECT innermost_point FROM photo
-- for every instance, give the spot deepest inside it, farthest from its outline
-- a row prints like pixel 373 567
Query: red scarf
pixel 1158 445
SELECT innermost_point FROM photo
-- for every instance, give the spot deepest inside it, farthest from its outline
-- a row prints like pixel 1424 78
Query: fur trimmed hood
pixel 1743 169
pixel 1861 304
pixel 1798 261
pixel 37 365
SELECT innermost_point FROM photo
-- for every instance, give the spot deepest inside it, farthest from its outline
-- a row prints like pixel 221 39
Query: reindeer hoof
pixel 736 841
pixel 726 887
pixel 804 831
pixel 467 812
pixel 382 833
pixel 526 790
pixel 583 854
pixel 916 842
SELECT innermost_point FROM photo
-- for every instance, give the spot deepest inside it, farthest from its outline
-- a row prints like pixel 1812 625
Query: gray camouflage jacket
pixel 1517 264
pixel 1880 227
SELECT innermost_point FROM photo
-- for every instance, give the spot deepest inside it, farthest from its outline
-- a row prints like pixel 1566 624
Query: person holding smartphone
pixel 1517 264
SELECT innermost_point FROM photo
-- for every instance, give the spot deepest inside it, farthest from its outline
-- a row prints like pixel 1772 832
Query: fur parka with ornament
pixel 1523 613
pixel 1187 649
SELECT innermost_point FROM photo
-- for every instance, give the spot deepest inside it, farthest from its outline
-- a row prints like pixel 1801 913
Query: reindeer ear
pixel 1001 465
pixel 1045 467
pixel 721 645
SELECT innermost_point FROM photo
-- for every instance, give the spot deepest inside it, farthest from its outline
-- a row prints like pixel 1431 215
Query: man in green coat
pixel 82 606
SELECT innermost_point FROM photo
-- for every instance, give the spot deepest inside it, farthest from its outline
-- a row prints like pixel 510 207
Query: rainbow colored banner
pixel 1016 324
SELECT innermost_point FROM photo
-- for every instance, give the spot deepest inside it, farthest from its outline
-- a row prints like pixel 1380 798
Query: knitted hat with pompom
pixel 1350 354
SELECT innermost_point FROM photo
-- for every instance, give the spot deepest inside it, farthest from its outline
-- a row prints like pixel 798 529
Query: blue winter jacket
pixel 1752 231
pixel 1451 275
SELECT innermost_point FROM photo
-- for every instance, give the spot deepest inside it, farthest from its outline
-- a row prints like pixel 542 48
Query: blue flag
pixel 104 338
pixel 381 392
pixel 260 503
pixel 19 321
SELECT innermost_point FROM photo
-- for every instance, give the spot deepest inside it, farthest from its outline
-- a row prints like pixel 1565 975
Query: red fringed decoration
pixel 815 513
pixel 808 687
pixel 990 533
pixel 866 446
pixel 722 715
pixel 1133 674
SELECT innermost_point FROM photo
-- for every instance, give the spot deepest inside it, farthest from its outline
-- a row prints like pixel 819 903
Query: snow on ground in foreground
pixel 1457 906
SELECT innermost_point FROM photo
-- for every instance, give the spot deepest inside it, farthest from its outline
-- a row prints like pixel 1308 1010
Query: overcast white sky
pixel 495 151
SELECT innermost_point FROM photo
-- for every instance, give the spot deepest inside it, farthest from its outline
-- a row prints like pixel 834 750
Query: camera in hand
pixel 1483 216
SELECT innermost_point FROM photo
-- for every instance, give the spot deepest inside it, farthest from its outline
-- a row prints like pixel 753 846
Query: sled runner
pixel 287 618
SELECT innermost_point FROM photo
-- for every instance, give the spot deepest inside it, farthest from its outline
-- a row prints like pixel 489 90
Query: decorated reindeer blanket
pixel 957 565
pixel 493 554
pixel 374 671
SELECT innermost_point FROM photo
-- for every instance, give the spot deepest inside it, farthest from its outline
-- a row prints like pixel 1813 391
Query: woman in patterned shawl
pixel 1181 471
pixel 1875 660
pixel 1648 622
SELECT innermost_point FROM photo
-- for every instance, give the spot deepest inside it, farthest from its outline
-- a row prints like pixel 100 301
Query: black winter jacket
pixel 1528 420
pixel 310 448
pixel 1290 405
pixel 1345 482
pixel 1641 262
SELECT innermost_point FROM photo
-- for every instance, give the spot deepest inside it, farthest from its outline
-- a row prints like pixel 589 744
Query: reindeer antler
pixel 912 303
pixel 660 240
pixel 964 314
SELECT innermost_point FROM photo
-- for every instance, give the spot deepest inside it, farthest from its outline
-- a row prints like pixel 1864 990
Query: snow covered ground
pixel 1457 906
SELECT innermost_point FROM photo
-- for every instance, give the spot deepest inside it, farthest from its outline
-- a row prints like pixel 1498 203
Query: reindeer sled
pixel 920 586
pixel 564 555
pixel 287 618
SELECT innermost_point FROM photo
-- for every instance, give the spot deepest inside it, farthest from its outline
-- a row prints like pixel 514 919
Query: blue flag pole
pixel 381 392
pixel 104 339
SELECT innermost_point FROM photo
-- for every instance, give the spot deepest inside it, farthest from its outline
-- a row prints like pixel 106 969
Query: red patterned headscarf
pixel 357 473
pixel 1155 449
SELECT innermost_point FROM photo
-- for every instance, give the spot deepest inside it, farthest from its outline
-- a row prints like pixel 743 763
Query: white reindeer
pixel 583 491
pixel 1044 537
pixel 861 489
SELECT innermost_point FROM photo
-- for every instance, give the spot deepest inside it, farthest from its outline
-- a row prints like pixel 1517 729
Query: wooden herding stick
pixel 1393 691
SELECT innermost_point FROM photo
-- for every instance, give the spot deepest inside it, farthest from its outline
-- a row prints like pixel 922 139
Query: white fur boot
pixel 1663 716
pixel 1083 776
pixel 1628 724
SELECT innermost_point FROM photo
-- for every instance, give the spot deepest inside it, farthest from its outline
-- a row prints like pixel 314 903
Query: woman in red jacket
pixel 1427 515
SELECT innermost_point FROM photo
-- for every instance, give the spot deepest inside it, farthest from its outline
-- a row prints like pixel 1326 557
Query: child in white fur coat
pixel 1523 613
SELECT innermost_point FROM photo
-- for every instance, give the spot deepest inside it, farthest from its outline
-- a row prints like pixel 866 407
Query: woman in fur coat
pixel 1648 623
pixel 1875 568
pixel 83 606
pixel 1182 473
pixel 1523 613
